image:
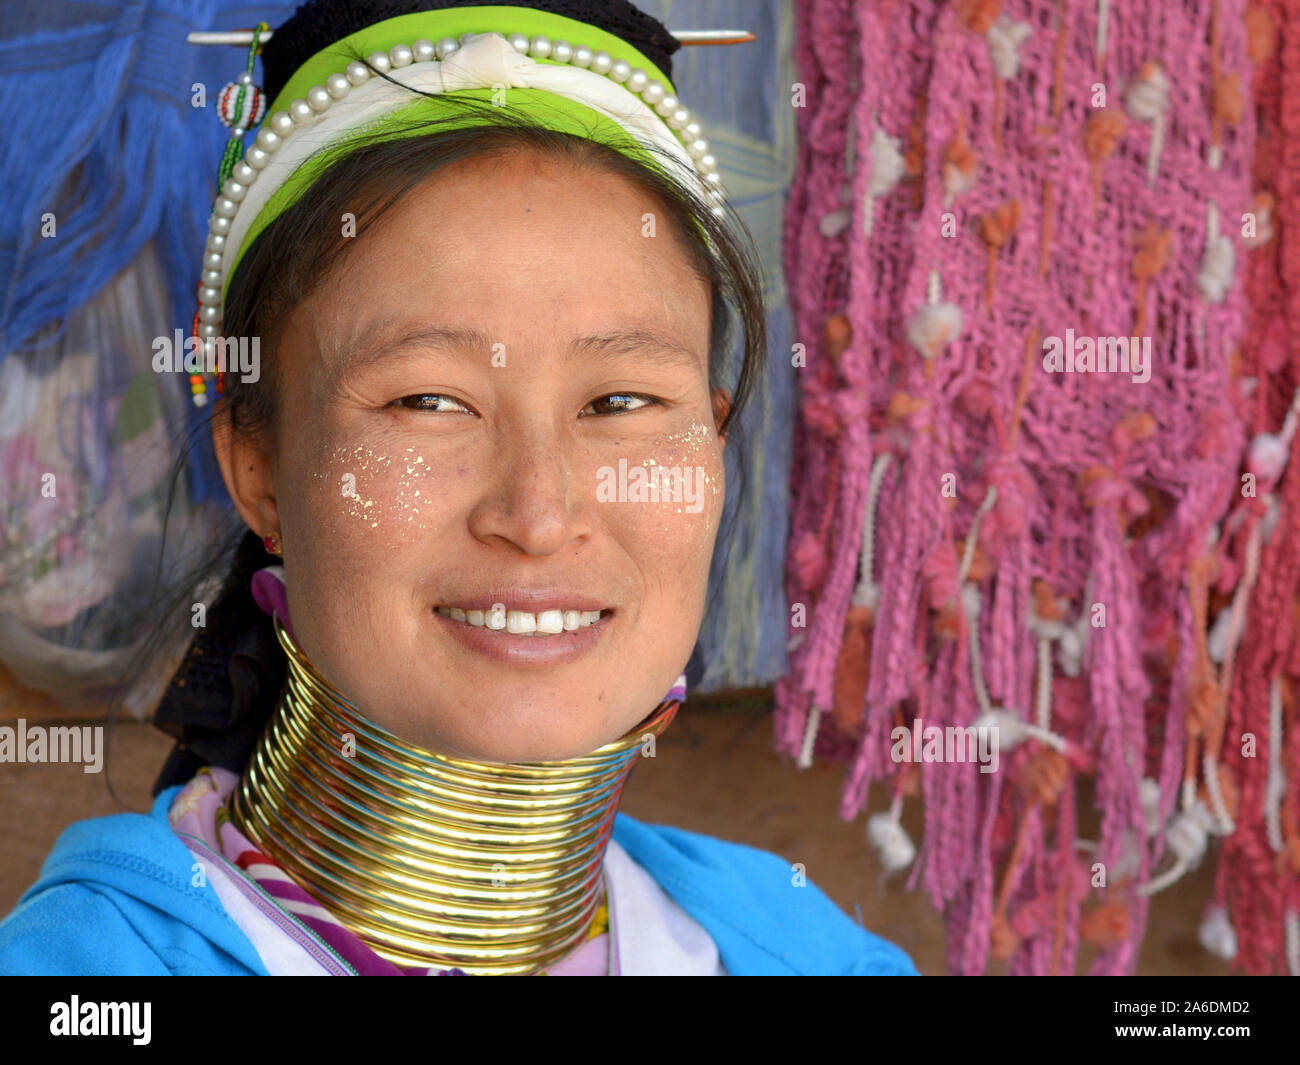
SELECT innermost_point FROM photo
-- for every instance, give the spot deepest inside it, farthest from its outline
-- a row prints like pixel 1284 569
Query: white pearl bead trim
pixel 304 112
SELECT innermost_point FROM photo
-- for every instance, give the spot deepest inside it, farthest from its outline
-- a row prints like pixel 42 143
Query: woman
pixel 481 465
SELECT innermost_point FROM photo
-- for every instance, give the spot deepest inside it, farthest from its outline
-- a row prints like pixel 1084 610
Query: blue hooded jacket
pixel 115 898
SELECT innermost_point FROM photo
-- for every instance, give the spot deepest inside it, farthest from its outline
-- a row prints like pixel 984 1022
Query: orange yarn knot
pixel 978 15
pixel 1152 256
pixel 998 225
pixel 1261 33
pixel 902 405
pixel 996 228
pixel 1105 925
pixel 1101 133
pixel 1003 940
pixel 853 670
pixel 1203 701
pixel 1046 604
pixel 1102 484
pixel 1045 775
pixel 1291 852
pixel 838 335
pixel 980 565
pixel 958 164
pixel 1229 103
pixel 1135 426
pixel 1090 475
pixel 1205 568
pixel 914 153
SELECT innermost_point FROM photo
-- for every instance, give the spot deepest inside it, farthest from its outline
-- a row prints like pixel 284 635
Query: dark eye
pixel 620 406
pixel 427 401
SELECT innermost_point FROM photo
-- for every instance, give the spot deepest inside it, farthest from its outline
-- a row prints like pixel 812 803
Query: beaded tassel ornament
pixel 1071 562
pixel 241 106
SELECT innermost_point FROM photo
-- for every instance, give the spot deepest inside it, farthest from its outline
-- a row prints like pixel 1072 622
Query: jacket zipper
pixel 258 895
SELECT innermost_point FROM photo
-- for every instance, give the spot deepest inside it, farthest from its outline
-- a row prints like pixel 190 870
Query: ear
pixel 245 461
pixel 721 407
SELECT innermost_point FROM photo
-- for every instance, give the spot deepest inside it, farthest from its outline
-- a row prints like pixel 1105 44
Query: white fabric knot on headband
pixel 485 62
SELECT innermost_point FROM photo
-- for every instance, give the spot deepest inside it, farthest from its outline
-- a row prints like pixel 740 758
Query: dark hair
pixel 225 689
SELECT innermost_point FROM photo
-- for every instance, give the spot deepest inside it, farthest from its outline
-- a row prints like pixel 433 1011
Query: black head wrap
pixel 319 23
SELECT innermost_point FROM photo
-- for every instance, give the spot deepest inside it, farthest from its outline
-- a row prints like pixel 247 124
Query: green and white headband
pixel 599 88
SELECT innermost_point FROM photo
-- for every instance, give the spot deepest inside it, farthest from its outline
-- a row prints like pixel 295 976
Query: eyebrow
pixel 383 339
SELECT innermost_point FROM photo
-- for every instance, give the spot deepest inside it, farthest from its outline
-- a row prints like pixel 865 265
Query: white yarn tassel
pixel 1189 831
pixel 1292 925
pixel 1215 276
pixel 867 593
pixel 1043 701
pixel 1129 862
pixel 887 163
pixel 972 538
pixel 933 327
pixel 1147 101
pixel 1224 825
pixel 833 222
pixel 890 839
pixel 1071 647
pixel 809 738
pixel 1148 96
pixel 1012 731
pixel 1217 934
pixel 887 169
pixel 1188 834
pixel 1269 452
pixel 1217 640
pixel 1070 639
pixel 1267 456
pixel 1275 788
pixel 1005 38
pixel 1269 522
pixel 1149 795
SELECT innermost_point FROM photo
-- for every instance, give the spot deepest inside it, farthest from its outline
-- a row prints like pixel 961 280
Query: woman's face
pixel 470 403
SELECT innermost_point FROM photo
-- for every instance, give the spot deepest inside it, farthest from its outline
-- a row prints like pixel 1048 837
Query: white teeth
pixel 521 622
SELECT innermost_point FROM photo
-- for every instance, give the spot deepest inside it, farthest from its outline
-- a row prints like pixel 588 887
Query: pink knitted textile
pixel 1258 881
pixel 1020 171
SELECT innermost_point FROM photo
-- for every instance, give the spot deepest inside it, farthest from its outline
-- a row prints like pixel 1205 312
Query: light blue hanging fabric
pixel 101 131
pixel 741 93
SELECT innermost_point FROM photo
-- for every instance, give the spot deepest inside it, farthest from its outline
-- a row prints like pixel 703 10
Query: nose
pixel 530 498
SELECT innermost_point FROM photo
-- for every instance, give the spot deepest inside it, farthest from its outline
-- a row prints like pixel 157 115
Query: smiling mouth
pixel 523 623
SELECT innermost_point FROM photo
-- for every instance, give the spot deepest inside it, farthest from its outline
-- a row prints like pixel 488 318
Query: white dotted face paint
pixel 373 486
